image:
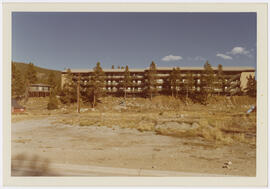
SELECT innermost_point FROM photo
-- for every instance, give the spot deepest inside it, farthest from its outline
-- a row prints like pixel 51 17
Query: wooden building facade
pixel 235 79
pixel 39 90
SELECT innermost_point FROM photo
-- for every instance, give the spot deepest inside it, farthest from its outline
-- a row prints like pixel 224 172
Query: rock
pixel 227 164
pixel 83 109
pixel 195 125
pixel 119 108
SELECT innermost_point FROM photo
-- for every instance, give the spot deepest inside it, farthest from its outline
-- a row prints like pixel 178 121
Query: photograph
pixel 135 93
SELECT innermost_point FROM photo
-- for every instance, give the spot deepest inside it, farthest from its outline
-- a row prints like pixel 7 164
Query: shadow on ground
pixel 23 165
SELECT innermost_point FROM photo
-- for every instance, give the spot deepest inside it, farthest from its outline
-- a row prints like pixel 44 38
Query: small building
pixel 16 107
pixel 39 90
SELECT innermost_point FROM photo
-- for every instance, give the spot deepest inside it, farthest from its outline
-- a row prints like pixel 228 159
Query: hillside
pixel 42 73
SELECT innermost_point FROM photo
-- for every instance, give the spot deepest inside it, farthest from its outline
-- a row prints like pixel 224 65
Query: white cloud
pixel 171 58
pixel 239 50
pixel 224 56
pixel 196 58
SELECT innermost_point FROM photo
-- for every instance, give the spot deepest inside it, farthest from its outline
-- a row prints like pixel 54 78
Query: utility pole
pixel 78 93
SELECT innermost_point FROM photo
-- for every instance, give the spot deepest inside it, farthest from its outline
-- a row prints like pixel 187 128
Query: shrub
pixel 53 103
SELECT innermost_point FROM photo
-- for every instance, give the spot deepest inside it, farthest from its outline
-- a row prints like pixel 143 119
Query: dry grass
pixel 221 129
pixel 223 120
pixel 22 141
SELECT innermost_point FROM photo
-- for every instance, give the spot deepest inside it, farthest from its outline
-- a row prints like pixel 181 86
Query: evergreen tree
pixel 31 73
pixel 127 81
pixel 178 80
pixel 17 85
pixel 13 78
pixel 172 81
pixel 96 84
pixel 208 77
pixel 251 89
pixel 52 80
pixel 151 81
pixel 220 79
pixel 189 84
pixel 200 96
pixel 53 102
pixel 69 94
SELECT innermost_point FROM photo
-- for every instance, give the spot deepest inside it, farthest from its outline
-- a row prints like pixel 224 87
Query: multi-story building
pixel 235 79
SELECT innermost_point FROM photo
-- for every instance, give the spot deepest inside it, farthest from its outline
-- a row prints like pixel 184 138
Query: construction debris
pixel 227 164
pixel 252 109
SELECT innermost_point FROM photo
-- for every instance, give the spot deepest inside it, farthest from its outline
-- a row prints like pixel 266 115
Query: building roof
pixel 105 70
pixel 231 68
pixel 40 85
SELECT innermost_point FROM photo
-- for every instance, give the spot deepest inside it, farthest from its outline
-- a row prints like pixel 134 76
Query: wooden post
pixel 78 93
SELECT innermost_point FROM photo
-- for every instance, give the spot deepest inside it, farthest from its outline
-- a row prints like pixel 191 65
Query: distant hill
pixel 42 73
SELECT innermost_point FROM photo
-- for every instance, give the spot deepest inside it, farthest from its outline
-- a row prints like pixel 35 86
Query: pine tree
pixel 151 81
pixel 96 84
pixel 18 85
pixel 189 84
pixel 13 79
pixel 205 86
pixel 251 89
pixel 178 80
pixel 208 77
pixel 53 102
pixel 172 81
pixel 68 94
pixel 31 73
pixel 52 80
pixel 127 81
pixel 220 79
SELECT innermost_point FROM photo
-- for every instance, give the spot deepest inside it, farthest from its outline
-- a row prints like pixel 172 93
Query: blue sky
pixel 79 40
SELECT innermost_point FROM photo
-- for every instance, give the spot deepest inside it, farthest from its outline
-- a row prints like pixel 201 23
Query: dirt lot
pixel 128 141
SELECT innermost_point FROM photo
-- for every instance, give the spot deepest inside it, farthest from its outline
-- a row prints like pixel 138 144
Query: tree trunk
pixel 125 93
pixel 94 101
pixel 26 93
pixel 78 96
pixel 187 95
